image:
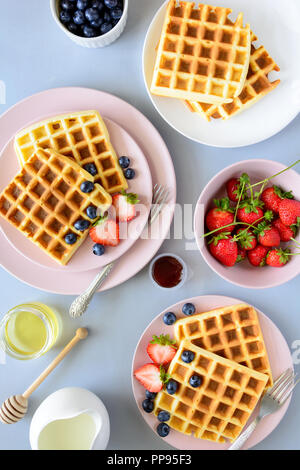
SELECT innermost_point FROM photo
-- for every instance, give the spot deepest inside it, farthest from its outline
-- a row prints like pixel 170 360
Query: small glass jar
pixel 168 271
pixel 29 330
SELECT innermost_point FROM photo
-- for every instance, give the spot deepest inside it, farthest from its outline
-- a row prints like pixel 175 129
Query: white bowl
pixel 99 41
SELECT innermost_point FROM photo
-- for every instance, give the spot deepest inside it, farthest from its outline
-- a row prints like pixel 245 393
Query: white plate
pixel 277 26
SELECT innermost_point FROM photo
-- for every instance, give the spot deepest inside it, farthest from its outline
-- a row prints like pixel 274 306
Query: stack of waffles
pixel 210 62
pixel 230 357
pixel 45 198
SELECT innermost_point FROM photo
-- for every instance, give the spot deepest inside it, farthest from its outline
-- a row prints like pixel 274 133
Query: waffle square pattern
pixel 81 136
pixel 220 407
pixel 258 84
pixel 44 201
pixel 232 332
pixel 202 55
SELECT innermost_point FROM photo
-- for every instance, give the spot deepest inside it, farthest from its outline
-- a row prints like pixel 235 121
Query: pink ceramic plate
pixel 59 101
pixel 279 355
pixel 84 259
pixel 244 274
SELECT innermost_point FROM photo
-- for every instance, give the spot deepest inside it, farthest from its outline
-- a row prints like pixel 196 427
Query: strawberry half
pixel 124 204
pixel 161 349
pixel 105 232
pixel 152 377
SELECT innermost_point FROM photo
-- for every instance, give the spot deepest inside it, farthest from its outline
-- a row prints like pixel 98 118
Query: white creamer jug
pixel 70 419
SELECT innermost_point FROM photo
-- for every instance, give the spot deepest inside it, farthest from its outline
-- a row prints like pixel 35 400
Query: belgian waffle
pixel 82 136
pixel 219 408
pixel 256 87
pixel 44 201
pixel 202 54
pixel 232 332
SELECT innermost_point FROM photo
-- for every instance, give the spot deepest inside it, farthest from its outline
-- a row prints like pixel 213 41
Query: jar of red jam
pixel 168 271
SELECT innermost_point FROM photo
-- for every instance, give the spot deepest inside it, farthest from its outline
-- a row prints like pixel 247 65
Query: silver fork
pixel 274 399
pixel 81 303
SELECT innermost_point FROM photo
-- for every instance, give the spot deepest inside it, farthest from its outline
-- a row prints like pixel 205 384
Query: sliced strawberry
pixel 105 232
pixel 161 349
pixel 151 376
pixel 124 204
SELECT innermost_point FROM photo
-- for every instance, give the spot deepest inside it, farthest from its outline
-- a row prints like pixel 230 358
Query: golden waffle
pixel 82 136
pixel 221 406
pixel 256 87
pixel 202 54
pixel 44 201
pixel 232 332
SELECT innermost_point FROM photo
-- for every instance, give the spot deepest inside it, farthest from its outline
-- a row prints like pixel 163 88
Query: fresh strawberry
pixel 161 349
pixel 224 249
pixel 242 254
pixel 286 233
pixel 105 232
pixel 273 196
pixel 250 212
pixel 246 239
pixel 220 216
pixel 236 187
pixel 267 235
pixel 152 377
pixel 257 257
pixel 277 258
pixel 124 204
pixel 289 212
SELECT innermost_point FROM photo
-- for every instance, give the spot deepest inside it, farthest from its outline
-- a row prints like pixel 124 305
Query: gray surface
pixel 36 55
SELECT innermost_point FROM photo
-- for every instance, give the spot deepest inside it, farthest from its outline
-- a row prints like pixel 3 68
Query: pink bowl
pixel 244 274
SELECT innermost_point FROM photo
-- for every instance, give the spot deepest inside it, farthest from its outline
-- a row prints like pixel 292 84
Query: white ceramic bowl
pixel 99 41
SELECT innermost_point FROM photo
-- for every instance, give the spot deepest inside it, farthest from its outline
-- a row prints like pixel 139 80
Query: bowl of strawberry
pixel 247 223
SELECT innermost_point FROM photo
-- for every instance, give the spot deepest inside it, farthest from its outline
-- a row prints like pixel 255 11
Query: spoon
pixel 15 407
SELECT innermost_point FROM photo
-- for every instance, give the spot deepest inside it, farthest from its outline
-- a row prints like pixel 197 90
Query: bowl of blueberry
pixel 91 23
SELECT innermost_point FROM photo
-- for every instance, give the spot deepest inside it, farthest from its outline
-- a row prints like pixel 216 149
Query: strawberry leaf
pixel 245 179
pixel 163 340
pixel 131 198
pixel 164 376
pixel 100 220
pixel 223 204
pixel 283 195
pixel 221 236
pixel 269 216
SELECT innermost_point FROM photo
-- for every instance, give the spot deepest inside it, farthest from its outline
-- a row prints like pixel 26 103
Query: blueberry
pixel 169 318
pixel 195 381
pixel 97 4
pixel 67 5
pixel 89 32
pixel 187 356
pixel 91 212
pixel 150 395
pixel 188 309
pixel 106 17
pixel 82 4
pixel 97 23
pixel 129 173
pixel 65 17
pixel 92 14
pixel 124 162
pixel 81 225
pixel 148 405
pixel 163 429
pixel 172 387
pixel 116 13
pixel 163 416
pixel 71 238
pixel 111 3
pixel 79 17
pixel 98 249
pixel 87 187
pixel 91 168
pixel 105 28
pixel 73 28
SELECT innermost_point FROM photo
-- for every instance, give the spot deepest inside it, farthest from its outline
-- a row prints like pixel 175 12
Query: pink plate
pixel 59 101
pixel 279 355
pixel 84 259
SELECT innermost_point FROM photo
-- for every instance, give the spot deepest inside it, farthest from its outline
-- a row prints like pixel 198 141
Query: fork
pixel 274 399
pixel 81 303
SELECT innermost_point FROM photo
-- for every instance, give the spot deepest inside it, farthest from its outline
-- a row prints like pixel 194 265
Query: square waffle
pixel 256 87
pixel 202 55
pixel 82 136
pixel 44 201
pixel 232 332
pixel 220 407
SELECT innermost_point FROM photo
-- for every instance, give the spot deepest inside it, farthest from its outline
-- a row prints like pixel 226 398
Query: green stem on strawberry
pixel 230 225
pixel 238 203
pixel 265 181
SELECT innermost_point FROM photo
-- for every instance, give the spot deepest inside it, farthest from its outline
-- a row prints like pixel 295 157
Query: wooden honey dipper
pixel 15 407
